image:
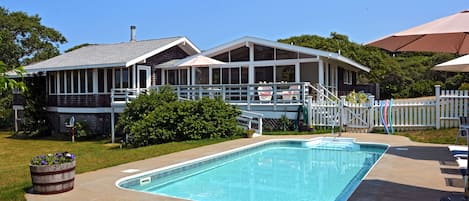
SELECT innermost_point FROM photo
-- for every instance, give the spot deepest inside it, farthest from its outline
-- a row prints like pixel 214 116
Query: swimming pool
pixel 321 169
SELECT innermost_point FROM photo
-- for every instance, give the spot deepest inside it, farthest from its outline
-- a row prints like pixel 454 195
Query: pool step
pixel 332 144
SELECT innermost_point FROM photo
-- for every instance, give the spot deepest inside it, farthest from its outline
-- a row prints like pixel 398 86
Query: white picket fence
pixel 441 111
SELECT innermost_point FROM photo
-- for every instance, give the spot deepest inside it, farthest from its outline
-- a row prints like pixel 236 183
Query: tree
pixel 78 47
pixel 25 40
pixel 396 74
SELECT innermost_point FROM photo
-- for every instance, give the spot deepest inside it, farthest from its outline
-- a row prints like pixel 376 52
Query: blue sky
pixel 213 22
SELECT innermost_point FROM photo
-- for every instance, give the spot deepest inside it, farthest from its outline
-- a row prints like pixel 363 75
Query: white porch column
pixel 95 80
pixel 134 76
pixel 251 64
pixel 112 125
pixel 321 72
pixel 188 72
pixel 193 75
pixel 297 72
pixel 326 76
pixel 210 75
pixel 163 77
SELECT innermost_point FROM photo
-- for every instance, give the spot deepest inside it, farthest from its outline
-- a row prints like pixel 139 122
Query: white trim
pixel 293 48
pixel 65 82
pixel 105 80
pixel 297 72
pixel 82 110
pixel 161 49
pixel 321 72
pixel 33 70
pixel 95 80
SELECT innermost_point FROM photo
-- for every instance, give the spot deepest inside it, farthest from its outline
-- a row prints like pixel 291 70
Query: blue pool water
pixel 319 170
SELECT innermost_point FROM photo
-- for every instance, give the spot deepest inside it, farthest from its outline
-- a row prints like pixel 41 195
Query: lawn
pixel 443 136
pixel 91 155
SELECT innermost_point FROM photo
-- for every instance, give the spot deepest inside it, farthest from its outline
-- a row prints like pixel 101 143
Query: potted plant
pixel 53 173
pixel 250 133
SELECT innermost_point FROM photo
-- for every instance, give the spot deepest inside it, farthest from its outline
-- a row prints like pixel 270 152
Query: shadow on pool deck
pixel 433 153
pixel 390 191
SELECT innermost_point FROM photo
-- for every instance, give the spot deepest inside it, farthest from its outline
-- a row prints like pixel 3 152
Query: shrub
pixel 464 86
pixel 159 118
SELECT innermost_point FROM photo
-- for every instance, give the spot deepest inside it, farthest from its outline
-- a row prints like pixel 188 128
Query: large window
pixel 100 80
pixel 348 77
pixel 90 82
pixel 244 75
pixel 52 82
pixel 75 81
pixel 117 79
pixel 201 75
pixel 222 57
pixel 285 73
pixel 68 79
pixel 263 53
pixel 82 81
pixel 61 82
pixel 284 54
pixel 125 78
pixel 172 77
pixel 109 79
pixel 263 74
pixel 234 75
pixel 87 81
pixel 240 54
pixel 216 77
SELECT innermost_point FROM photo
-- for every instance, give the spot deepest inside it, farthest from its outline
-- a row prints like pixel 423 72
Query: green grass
pixel 442 136
pixel 15 155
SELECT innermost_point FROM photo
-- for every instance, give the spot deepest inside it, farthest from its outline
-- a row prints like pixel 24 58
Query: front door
pixel 143 77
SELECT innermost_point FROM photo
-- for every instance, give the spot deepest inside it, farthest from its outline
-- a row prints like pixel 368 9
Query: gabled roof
pixel 293 48
pixel 110 55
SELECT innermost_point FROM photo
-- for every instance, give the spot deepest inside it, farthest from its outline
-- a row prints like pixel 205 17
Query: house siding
pixel 99 124
pixel 89 100
pixel 167 55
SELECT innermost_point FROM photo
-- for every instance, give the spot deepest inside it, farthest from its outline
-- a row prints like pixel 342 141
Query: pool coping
pixel 164 170
pixel 425 174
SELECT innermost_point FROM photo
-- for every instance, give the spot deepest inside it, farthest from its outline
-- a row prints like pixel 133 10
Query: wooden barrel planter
pixel 52 179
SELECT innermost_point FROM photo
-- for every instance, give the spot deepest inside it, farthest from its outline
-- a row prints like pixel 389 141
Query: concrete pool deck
pixel 408 171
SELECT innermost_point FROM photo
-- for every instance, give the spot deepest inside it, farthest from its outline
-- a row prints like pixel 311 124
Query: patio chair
pixel 462 132
pixel 292 93
pixel 265 93
pixel 458 149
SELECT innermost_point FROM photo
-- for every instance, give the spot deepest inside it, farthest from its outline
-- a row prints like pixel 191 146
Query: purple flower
pixel 43 162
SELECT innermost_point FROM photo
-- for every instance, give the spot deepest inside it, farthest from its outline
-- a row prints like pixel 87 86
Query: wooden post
pixel 16 120
pixel 371 114
pixel 437 106
pixel 112 125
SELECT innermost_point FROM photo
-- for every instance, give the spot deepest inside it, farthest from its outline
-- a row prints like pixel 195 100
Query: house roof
pixel 111 55
pixel 294 48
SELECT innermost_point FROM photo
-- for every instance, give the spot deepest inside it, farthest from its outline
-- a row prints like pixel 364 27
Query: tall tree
pixel 25 40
